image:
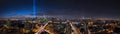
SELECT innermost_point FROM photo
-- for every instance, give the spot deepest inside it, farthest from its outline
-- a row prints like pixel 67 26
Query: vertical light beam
pixel 34 8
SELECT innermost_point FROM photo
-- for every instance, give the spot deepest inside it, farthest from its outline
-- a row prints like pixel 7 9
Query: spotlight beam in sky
pixel 34 8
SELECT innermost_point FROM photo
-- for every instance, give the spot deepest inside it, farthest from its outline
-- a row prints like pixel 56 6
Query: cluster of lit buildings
pixel 59 26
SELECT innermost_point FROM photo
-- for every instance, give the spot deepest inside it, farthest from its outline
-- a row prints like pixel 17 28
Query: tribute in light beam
pixel 34 8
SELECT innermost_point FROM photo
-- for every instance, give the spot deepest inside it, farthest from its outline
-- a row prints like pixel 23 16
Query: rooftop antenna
pixel 83 17
pixel 44 16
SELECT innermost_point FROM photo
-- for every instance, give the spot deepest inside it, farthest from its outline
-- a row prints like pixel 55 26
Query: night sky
pixel 61 7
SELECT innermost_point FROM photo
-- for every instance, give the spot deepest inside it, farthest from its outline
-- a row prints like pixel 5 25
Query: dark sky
pixel 61 7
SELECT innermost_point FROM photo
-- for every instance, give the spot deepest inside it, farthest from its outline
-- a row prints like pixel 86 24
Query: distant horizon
pixel 54 16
